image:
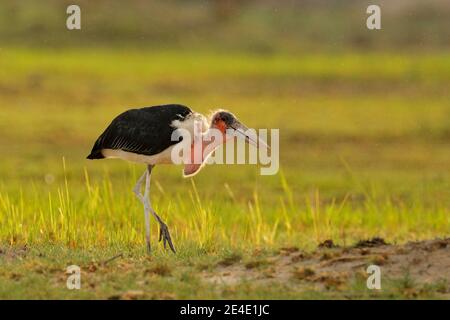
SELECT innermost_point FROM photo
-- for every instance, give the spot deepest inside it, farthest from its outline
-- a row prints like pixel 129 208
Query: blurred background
pixel 262 27
pixel 362 113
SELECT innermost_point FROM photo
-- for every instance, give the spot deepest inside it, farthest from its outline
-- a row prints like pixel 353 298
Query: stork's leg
pixel 137 191
pixel 164 233
pixel 137 187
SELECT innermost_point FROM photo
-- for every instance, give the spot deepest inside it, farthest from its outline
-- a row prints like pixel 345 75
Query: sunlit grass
pixel 103 214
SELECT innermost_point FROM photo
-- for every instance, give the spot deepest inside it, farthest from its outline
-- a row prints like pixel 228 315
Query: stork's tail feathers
pixel 95 154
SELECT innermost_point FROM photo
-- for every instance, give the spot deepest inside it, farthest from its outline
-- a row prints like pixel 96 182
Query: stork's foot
pixel 164 235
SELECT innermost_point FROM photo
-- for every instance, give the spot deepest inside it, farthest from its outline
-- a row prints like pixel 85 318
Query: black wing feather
pixel 144 131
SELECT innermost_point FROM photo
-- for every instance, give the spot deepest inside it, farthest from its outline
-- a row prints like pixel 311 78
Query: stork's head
pixel 227 122
pixel 223 120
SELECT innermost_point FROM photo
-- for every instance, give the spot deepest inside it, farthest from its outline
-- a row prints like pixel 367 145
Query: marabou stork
pixel 145 136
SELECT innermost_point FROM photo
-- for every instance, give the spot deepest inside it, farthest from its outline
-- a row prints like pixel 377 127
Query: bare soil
pixel 330 266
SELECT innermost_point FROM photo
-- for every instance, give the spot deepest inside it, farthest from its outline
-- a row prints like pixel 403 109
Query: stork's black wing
pixel 143 131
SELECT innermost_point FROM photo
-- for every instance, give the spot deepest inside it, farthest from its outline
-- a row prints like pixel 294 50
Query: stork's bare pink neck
pixel 206 145
pixel 201 148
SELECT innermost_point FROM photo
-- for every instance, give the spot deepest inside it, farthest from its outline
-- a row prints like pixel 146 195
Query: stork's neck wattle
pixel 208 143
pixel 202 147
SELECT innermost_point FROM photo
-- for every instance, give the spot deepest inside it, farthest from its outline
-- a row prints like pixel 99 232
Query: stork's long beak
pixel 249 135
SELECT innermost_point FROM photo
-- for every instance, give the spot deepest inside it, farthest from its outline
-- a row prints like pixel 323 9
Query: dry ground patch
pixel 413 265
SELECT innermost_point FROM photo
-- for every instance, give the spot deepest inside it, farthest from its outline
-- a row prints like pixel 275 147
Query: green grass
pixel 364 152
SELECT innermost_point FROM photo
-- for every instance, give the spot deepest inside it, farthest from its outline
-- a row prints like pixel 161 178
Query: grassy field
pixel 365 152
